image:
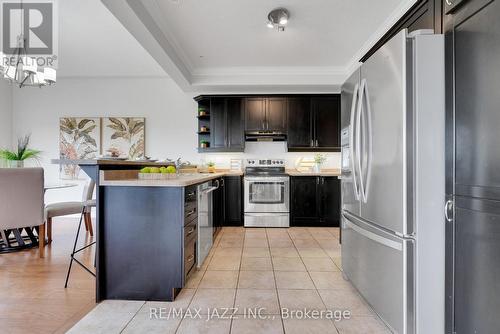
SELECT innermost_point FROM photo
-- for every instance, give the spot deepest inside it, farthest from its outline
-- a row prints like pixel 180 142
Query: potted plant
pixel 16 158
pixel 211 167
pixel 204 144
pixel 319 159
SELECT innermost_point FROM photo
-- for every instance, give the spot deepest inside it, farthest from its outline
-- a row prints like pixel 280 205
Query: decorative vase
pixel 317 168
pixel 211 169
pixel 16 163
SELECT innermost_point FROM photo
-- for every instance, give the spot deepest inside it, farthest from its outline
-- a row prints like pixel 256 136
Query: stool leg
pixel 74 248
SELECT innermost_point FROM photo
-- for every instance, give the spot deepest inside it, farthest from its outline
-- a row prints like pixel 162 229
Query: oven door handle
pixel 267 178
pixel 269 214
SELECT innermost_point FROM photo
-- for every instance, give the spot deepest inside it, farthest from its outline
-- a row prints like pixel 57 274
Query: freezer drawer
pixel 381 268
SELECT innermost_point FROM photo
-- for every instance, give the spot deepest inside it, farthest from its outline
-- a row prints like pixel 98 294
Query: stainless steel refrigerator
pixel 393 182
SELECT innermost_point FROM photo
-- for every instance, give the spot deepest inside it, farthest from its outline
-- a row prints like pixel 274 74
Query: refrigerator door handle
pixel 355 99
pixel 358 140
pixel 448 206
pixel 369 137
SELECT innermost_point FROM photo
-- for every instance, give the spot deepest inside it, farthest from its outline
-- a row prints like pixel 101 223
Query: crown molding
pixel 142 19
pixel 378 34
pixel 268 70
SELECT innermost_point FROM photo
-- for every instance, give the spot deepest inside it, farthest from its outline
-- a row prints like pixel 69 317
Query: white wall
pixel 171 122
pixel 5 114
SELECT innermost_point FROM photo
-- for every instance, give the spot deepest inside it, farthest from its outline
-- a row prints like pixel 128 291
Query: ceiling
pixel 229 33
pixel 93 43
pixel 221 45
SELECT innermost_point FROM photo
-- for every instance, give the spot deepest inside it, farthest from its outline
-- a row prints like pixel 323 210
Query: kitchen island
pixel 146 229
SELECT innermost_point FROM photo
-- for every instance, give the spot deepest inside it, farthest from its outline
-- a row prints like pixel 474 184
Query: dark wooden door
pixel 255 113
pixel 233 201
pixel 304 199
pixel 299 122
pixel 326 111
pixel 235 124
pixel 276 110
pixel 218 123
pixel 330 201
pixel 473 161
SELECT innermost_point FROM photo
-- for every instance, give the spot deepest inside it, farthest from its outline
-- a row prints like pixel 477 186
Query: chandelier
pixel 25 71
pixel 22 70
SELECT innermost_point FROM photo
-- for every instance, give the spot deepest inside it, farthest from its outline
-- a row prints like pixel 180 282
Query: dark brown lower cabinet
pixel 233 201
pixel 315 201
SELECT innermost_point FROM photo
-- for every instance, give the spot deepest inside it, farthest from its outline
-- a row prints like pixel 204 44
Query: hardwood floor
pixel 32 293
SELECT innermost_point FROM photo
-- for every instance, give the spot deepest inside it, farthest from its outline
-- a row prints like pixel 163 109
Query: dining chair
pixel 22 202
pixel 60 209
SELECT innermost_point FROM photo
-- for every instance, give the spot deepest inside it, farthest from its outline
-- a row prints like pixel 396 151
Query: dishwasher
pixel 205 219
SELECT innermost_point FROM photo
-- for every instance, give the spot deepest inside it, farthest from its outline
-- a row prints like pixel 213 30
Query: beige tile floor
pixel 277 270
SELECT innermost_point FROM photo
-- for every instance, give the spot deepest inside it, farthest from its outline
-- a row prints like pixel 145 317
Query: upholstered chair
pixel 21 201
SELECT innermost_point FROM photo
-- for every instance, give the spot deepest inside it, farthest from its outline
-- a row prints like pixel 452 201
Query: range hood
pixel 265 136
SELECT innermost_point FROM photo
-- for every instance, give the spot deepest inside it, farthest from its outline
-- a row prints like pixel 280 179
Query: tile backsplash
pixel 277 150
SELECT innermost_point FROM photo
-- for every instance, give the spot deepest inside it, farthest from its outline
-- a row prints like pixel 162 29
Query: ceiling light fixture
pixel 278 18
pixel 22 70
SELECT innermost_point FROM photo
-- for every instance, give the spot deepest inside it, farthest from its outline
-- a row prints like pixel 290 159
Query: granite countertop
pixel 183 180
pixel 109 162
pixel 324 172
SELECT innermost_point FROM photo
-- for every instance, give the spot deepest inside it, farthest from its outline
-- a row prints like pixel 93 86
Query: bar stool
pixel 75 250
pixel 84 208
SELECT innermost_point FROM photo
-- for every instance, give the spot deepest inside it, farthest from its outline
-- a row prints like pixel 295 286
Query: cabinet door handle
pixel 190 258
pixel 190 212
pixel 322 180
pixel 312 142
pixel 223 182
pixel 317 143
pixel 190 231
pixel 317 180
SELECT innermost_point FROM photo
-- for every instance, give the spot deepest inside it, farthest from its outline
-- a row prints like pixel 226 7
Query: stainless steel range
pixel 266 189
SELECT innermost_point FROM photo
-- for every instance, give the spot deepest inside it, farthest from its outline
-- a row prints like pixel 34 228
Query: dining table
pixel 52 186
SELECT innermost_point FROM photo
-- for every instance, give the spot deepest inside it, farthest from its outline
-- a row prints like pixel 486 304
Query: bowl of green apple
pixel 158 173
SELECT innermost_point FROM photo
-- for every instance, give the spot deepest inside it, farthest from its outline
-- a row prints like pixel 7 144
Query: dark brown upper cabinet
pixel 314 124
pixel 299 122
pixel 326 112
pixel 265 114
pixel 226 125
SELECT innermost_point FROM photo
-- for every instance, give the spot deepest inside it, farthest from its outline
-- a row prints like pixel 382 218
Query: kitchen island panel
pixel 141 243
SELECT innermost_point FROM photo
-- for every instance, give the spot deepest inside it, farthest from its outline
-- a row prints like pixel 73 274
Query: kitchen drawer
pixel 191 230
pixel 190 238
pixel 189 256
pixel 190 213
pixel 190 194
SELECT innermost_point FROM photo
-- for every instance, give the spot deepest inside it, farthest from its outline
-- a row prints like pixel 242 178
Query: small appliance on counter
pixel 266 189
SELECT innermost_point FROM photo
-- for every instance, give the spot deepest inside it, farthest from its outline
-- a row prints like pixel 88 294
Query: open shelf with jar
pixel 203 124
